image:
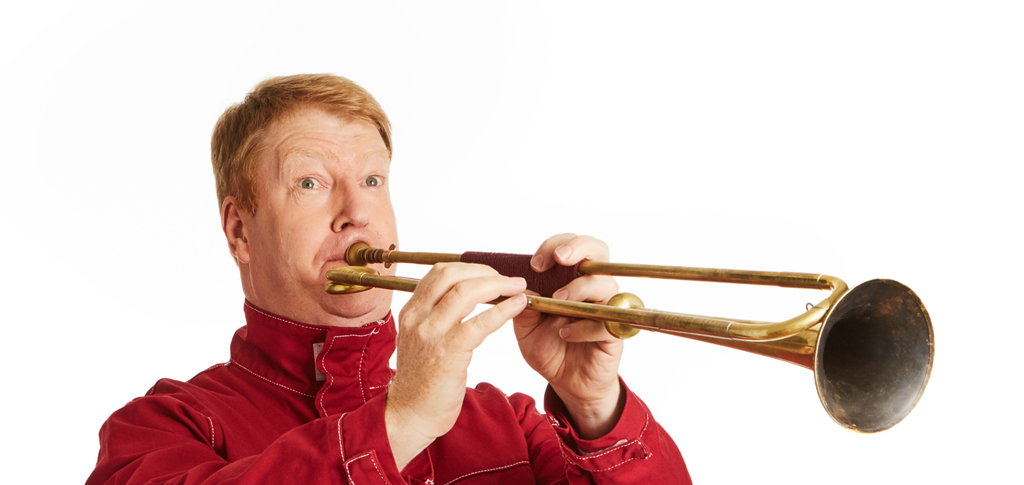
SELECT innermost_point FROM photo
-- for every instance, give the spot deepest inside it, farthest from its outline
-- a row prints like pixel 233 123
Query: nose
pixel 353 210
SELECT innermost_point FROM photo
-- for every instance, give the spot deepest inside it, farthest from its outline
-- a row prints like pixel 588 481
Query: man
pixel 302 169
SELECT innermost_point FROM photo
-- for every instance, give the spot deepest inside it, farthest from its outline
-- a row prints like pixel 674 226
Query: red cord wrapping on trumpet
pixel 545 283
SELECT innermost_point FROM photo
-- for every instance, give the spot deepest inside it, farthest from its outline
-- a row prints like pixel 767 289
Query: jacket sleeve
pixel 637 450
pixel 163 440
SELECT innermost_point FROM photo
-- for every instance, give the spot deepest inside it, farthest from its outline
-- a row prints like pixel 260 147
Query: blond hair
pixel 239 133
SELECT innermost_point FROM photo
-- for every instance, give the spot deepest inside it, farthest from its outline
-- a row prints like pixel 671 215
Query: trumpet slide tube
pixel 871 348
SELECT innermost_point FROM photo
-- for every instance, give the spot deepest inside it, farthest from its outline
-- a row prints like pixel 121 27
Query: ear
pixel 232 221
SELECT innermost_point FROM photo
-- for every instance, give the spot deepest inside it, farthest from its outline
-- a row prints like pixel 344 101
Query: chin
pixel 365 306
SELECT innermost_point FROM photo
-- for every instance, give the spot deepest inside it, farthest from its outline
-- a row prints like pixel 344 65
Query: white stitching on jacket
pixel 360 371
pixel 272 382
pixel 524 462
pixel 330 382
pixel 372 460
pixel 647 420
pixel 341 444
pixel 213 441
pixel 623 463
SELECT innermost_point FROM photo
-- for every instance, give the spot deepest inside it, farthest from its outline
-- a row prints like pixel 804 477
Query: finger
pixel 465 295
pixel 579 248
pixel 543 258
pixel 439 281
pixel 593 288
pixel 471 333
pixel 587 331
pixel 528 317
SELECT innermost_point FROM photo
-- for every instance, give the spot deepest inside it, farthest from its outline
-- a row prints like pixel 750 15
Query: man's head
pixel 240 130
pixel 302 168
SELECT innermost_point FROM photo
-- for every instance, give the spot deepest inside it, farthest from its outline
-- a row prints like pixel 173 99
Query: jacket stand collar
pixel 339 368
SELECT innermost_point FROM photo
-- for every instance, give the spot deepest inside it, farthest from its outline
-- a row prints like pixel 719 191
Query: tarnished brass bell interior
pixel 874 356
pixel 871 348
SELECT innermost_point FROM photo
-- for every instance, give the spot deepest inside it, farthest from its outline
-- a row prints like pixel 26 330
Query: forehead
pixel 313 133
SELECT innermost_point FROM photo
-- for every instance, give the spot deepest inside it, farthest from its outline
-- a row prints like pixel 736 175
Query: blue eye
pixel 374 181
pixel 308 183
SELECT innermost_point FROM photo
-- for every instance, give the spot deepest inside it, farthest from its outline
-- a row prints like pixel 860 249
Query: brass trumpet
pixel 871 347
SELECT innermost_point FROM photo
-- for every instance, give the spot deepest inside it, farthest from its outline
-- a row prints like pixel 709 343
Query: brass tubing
pixel 341 275
pixel 871 348
pixel 666 322
pixel 676 323
pixel 361 254
pixel 763 278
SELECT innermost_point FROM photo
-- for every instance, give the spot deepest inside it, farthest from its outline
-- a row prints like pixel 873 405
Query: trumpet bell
pixel 873 356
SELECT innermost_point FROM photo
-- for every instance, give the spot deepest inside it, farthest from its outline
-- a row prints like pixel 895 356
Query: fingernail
pixel 563 332
pixel 560 295
pixel 519 281
pixel 536 262
pixel 564 252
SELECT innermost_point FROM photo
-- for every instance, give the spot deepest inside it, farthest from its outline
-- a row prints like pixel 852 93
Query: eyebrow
pixel 382 153
pixel 298 153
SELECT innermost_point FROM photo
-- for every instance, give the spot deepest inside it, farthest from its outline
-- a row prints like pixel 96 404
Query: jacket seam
pixel 330 382
pixel 623 463
pixel 634 440
pixel 576 460
pixel 341 444
pixel 362 354
pixel 569 459
pixel 282 386
pixel 348 473
pixel 505 467
pixel 213 440
pixel 212 367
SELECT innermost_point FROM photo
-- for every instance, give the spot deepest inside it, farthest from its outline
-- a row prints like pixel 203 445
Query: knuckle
pixel 508 309
pixel 404 316
pixel 600 246
pixel 407 316
pixel 557 240
pixel 610 284
pixel 458 292
pixel 427 338
pixel 457 341
pixel 566 238
pixel 482 268
pixel 443 270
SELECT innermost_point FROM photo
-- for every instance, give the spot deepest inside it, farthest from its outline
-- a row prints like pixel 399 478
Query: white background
pixel 868 139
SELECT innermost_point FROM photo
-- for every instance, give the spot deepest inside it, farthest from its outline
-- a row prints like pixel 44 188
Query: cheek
pixel 385 213
pixel 287 237
pixel 301 240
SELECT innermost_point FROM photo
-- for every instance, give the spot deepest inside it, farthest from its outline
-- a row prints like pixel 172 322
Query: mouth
pixel 334 263
pixel 336 256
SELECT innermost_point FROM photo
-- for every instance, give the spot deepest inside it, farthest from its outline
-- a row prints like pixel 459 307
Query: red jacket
pixel 304 404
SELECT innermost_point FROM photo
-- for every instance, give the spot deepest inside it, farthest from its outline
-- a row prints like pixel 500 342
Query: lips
pixel 334 253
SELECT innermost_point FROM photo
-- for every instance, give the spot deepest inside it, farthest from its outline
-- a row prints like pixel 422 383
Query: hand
pixel 435 347
pixel 580 359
